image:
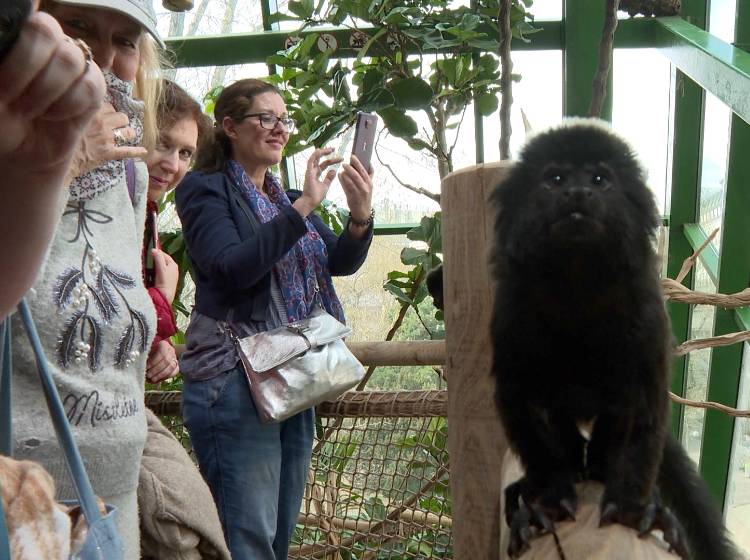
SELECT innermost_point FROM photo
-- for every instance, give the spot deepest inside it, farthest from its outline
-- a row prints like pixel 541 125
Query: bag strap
pixel 130 178
pixel 244 206
pixel 73 460
pixel 5 424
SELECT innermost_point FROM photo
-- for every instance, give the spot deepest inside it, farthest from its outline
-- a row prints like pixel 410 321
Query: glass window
pixel 714 166
pixel 721 19
pixel 641 111
pixel 698 365
pixel 210 18
pixel 738 486
pixel 538 94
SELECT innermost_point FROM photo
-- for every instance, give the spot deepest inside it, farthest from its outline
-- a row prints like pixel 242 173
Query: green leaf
pixel 398 292
pixel 487 104
pixel 412 93
pixel 398 123
pixel 412 255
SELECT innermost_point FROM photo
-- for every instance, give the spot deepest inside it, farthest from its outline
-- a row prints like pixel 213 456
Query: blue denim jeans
pixel 256 471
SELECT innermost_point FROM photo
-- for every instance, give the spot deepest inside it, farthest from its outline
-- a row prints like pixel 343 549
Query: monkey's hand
pixel 531 511
pixel 644 519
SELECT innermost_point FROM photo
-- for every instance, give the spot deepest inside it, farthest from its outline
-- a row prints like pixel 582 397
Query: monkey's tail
pixel 688 496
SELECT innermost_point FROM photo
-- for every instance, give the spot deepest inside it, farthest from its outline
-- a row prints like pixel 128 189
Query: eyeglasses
pixel 269 121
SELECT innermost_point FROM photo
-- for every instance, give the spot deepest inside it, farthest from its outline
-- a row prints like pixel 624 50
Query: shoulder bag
pixel 296 366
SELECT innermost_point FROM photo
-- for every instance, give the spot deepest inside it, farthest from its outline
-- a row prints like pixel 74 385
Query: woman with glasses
pixel 261 259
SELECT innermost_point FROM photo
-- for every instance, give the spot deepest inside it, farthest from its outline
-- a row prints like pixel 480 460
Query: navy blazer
pixel 233 258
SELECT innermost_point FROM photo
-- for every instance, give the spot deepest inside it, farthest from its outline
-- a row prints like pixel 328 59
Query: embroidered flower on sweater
pixel 95 291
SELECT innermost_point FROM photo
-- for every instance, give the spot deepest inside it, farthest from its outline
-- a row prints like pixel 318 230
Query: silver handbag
pixel 299 365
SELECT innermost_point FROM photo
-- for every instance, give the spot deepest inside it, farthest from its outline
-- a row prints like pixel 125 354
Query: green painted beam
pixel 686 161
pixel 734 273
pixel 718 67
pixel 244 48
pixel 687 128
pixel 583 23
pixel 393 229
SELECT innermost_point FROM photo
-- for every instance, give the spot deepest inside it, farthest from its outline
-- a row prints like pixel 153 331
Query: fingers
pixel 82 99
pixel 33 51
pixel 162 363
pixel 125 152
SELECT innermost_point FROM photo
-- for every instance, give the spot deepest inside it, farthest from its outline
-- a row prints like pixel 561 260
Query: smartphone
pixel 155 229
pixel 12 15
pixel 364 137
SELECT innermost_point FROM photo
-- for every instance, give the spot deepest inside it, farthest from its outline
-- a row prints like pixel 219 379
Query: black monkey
pixel 580 331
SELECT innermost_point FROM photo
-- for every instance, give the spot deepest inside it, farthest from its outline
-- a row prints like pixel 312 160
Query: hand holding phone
pixel 364 138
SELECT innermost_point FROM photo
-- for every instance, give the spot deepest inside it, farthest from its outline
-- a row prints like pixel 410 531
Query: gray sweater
pixel 96 322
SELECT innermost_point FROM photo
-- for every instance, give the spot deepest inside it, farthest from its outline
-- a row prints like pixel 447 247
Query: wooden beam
pixel 475 436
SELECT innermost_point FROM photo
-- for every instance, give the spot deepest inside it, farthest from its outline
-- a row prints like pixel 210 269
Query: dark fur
pixel 434 283
pixel 579 330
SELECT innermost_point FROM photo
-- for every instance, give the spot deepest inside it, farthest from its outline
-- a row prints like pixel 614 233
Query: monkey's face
pixel 577 189
pixel 574 199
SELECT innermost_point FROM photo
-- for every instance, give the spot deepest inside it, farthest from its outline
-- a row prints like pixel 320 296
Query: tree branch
pixel 506 81
pixel 605 59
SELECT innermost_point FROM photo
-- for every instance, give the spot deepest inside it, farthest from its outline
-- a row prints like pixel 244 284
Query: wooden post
pixel 475 436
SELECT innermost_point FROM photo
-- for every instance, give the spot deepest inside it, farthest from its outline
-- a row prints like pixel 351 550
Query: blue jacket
pixel 233 258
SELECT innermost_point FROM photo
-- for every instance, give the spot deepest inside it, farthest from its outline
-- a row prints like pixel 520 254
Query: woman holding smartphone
pixel 252 276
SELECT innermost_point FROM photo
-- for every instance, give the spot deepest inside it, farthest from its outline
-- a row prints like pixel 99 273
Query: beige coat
pixel 179 520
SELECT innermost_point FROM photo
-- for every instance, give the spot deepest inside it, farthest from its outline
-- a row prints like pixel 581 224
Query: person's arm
pixel 49 93
pixel 213 239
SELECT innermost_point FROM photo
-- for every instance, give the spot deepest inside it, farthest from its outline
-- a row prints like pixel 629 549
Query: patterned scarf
pixel 305 266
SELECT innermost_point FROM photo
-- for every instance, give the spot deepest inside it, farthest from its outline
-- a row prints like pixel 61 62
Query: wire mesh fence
pixel 378 486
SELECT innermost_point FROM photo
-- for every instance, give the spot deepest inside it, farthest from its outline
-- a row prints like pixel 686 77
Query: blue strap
pixel 81 482
pixel 5 426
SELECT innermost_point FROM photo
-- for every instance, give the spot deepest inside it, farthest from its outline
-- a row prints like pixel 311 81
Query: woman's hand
pixel 102 141
pixel 357 185
pixel 166 274
pixel 162 362
pixel 315 188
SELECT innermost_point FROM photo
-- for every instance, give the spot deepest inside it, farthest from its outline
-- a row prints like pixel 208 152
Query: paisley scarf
pixel 302 273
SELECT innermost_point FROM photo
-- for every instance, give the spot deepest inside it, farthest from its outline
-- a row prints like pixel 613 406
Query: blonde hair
pixel 148 79
pixel 148 86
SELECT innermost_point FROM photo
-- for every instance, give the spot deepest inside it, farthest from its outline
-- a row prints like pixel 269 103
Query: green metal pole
pixel 734 272
pixel 583 21
pixel 683 208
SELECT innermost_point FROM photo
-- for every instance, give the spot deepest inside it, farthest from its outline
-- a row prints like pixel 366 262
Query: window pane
pixel 538 94
pixel 210 17
pixel 714 169
pixel 699 362
pixel 642 113
pixel 738 487
pixel 721 20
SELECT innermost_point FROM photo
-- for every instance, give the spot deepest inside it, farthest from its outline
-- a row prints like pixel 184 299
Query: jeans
pixel 256 471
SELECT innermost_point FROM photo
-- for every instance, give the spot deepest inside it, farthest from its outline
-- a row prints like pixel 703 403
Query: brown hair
pixel 176 104
pixel 234 102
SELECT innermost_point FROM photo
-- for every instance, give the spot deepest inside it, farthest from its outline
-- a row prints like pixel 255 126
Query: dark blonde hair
pixel 176 104
pixel 235 101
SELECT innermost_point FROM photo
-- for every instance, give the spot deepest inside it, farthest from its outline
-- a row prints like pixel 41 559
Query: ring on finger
pixel 119 137
pixel 88 55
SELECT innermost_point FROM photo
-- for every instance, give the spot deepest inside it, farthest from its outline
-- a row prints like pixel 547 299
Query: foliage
pixel 444 74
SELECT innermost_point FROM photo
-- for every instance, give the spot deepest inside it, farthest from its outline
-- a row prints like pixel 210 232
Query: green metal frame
pixel 701 63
